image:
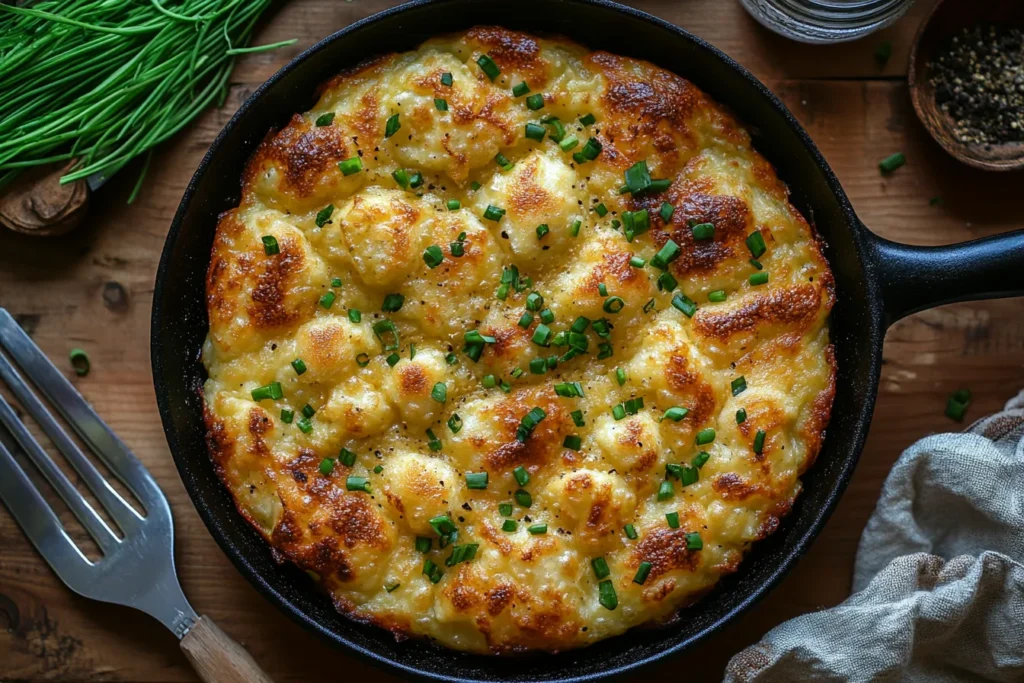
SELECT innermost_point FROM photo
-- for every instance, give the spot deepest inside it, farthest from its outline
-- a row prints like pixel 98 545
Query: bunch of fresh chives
pixel 102 81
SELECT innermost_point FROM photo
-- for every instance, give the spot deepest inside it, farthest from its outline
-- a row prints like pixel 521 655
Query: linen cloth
pixel 938 586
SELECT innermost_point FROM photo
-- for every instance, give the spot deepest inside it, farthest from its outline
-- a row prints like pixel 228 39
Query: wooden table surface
pixel 93 289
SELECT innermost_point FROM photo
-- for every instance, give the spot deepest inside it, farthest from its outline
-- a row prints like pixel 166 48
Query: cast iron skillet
pixel 877 282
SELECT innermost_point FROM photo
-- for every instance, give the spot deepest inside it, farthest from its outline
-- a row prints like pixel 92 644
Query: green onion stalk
pixel 103 81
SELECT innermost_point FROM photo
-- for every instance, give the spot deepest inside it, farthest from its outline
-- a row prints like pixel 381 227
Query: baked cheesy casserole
pixel 515 345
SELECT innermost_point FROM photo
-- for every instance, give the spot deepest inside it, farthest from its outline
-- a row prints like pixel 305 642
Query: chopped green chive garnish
pixel 756 245
pixel 956 406
pixel 591 150
pixel 649 306
pixel 401 177
pixel 538 366
pixel 739 385
pixel 453 204
pixel 488 66
pixel 272 391
pixel 537 529
pixel 392 303
pixel 666 212
pixel 350 166
pixel 385 327
pixel 324 215
pixel 440 392
pixel 700 459
pixel 705 436
pixel 462 553
pixel 588 120
pixel 602 289
pixel 362 359
pixel 673 520
pixel 423 544
pixel 476 480
pixel 892 162
pixel 667 282
pixel 760 278
pixel 542 230
pixel 287 415
pixel 493 213
pixel 327 299
pixel 474 337
pixel 716 296
pixel 521 475
pixel 505 509
pixel 641 573
pixel 605 350
pixel 357 484
pixel 635 223
pixel 355 315
pixel 415 180
pixel 528 423
pixel 547 316
pixel 618 412
pixel 542 335
pixel 520 89
pixel 391 588
pixel 620 376
pixel 392 360
pixel 630 532
pixel 638 178
pixel 569 143
pixel 433 442
pixel 577 418
pixel 308 411
pixel 637 262
pixel 613 304
pixel 757 264
pixel 392 126
pixel 304 425
pixel 606 595
pixel 759 441
pixel 270 246
pixel 526 319
pixel 572 442
pixel 432 571
pixel 666 255
pixel 347 457
pixel 325 119
pixel 433 256
pixel 458 249
pixel 600 566
pixel 675 413
pixel 666 490
pixel 446 79
pixel 703 231
pixel 741 416
pixel 684 304
pixel 299 366
pixel 523 498
pixel 601 210
pixel 441 104
pixel 509 525
pixel 535 102
pixel 535 132
pixel 694 541
pixel 326 466
pixel 574 229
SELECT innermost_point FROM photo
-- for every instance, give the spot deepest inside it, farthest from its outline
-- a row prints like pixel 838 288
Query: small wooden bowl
pixel 949 18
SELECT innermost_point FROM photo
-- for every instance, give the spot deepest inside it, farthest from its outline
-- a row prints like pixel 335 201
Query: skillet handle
pixel 915 278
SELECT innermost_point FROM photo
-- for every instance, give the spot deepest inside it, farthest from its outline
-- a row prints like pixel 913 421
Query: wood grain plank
pixel 57 289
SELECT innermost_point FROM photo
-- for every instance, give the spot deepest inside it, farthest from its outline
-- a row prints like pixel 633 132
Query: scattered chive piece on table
pixel 641 573
pixel 325 119
pixel 270 246
pixel 520 89
pixel 351 166
pixel 324 215
pixel 892 162
pixel 80 362
pixel 392 126
pixel 956 406
pixel 883 52
pixel 476 480
pixel 488 66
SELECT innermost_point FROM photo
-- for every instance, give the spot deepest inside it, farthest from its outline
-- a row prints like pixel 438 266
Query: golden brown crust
pixel 374 437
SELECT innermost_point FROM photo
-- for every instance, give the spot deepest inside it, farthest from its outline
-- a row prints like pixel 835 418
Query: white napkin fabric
pixel 939 577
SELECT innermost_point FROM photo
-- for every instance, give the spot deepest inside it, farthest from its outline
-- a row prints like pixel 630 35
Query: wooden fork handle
pixel 217 658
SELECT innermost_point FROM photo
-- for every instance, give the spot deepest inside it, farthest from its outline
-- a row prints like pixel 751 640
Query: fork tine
pixel 37 520
pixel 92 522
pixel 109 498
pixel 86 423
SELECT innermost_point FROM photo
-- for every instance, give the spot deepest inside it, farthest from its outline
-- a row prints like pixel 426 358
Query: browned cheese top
pixel 397 424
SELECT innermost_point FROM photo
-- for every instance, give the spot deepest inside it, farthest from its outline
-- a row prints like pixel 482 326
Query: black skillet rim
pixel 859 234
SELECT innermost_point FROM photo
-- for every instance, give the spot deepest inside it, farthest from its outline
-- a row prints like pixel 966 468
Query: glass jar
pixel 826 21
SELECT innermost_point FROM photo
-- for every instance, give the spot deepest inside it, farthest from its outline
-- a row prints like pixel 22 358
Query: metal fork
pixel 136 568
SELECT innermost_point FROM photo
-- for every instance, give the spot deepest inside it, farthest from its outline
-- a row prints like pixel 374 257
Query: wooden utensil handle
pixel 217 658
